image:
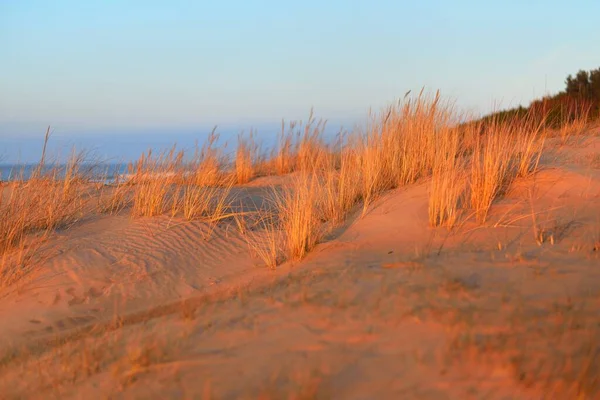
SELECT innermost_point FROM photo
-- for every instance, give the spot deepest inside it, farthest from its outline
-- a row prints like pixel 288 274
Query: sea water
pixel 101 172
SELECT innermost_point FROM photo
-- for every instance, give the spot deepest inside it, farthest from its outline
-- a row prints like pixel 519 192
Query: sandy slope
pixel 112 265
pixel 385 308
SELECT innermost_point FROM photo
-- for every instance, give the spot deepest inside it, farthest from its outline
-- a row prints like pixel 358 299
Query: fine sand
pixel 384 307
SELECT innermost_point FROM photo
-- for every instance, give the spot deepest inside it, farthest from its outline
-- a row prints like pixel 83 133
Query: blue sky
pixel 104 72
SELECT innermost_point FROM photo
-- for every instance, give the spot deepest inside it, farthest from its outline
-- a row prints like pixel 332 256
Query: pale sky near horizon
pixel 127 67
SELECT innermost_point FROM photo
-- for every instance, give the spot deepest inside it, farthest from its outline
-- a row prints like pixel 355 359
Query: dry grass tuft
pixel 115 198
pixel 400 144
pixel 283 159
pixel 311 150
pixel 503 151
pixel 206 163
pixel 265 239
pixel 575 122
pixel 245 159
pixel 298 211
pixel 152 182
pixel 490 169
pixel 208 203
pixel 300 147
pixel 340 192
pixel 52 198
pixel 20 260
pixel 530 139
pixel 375 177
pixel 448 181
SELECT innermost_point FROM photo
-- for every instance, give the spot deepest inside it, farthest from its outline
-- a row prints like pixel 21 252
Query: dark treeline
pixel 579 99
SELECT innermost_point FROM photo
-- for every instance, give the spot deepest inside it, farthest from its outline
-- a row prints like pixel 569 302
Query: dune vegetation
pixel 469 164
pixel 187 211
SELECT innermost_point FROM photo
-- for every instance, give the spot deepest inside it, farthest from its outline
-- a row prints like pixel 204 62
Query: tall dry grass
pixel 206 164
pixel 470 165
pixel 400 144
pixel 264 239
pixel 283 156
pixel 374 173
pixel 340 189
pixel 298 214
pixel 574 122
pixel 209 204
pixel 19 261
pixel 475 162
pixel 52 198
pixel 503 151
pixel 295 223
pixel 196 189
pixel 529 147
pixel 418 138
pixel 311 150
pixel 152 182
pixel 489 171
pixel 246 157
pixel 413 135
pixel 448 189
pixel 44 202
pixel 300 147
pixel 114 198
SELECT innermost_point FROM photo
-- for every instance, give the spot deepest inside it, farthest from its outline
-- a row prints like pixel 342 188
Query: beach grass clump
pixel 448 181
pixel 246 157
pixel 152 181
pixel 53 197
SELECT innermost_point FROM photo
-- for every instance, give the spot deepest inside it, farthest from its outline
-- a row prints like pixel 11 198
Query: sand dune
pixel 110 265
pixel 383 307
